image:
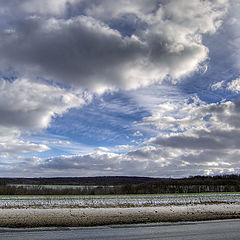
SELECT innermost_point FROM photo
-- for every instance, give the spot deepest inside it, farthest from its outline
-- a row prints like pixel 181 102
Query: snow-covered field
pixel 117 200
pixel 45 211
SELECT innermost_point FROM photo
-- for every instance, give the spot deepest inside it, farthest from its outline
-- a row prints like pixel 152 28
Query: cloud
pixel 182 141
pixel 234 85
pixel 177 115
pixel 150 160
pixel 206 126
pixel 144 161
pixel 80 50
pixel 108 10
pixel 27 107
pixel 137 134
pixel 56 46
pixel 11 144
pixel 207 138
pixel 17 146
pixel 201 138
pixel 217 85
pixel 106 163
pixel 234 26
pixel 32 7
pixel 88 52
pixel 26 104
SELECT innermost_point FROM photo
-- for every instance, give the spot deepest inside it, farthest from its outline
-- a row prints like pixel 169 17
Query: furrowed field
pixel 106 201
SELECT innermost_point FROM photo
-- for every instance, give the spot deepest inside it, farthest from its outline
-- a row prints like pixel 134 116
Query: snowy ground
pixel 116 200
pixel 45 211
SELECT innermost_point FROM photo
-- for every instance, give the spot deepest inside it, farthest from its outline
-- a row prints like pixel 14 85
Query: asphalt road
pixel 226 229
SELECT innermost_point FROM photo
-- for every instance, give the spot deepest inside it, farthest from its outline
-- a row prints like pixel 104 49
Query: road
pixel 212 230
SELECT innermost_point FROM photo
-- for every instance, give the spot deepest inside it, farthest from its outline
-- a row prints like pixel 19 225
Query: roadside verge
pixel 76 217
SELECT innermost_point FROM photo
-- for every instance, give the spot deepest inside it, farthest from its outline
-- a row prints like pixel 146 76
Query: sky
pixel 119 88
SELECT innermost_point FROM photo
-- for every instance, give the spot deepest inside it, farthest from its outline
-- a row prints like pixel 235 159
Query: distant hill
pixel 118 185
pixel 86 181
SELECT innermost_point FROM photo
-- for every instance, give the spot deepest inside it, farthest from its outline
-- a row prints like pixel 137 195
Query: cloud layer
pixel 204 142
pixel 85 49
pixel 207 142
pixel 58 55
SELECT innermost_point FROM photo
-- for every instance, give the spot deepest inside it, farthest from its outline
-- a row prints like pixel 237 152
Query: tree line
pixel 196 184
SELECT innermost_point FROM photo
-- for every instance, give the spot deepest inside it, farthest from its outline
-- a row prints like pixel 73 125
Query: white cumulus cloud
pixel 27 107
pixel 234 85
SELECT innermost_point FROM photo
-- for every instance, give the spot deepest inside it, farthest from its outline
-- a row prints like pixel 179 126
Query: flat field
pixel 111 201
pixel 75 211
